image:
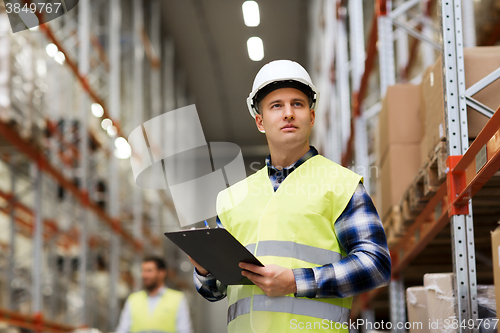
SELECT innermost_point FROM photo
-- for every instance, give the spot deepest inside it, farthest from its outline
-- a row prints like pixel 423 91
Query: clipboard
pixel 217 251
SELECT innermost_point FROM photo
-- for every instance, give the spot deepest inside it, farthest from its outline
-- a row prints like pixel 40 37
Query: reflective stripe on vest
pixel 288 249
pixel 298 306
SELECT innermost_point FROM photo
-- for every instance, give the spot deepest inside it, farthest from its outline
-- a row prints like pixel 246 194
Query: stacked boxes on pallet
pixel 399 148
pixel 431 307
pixel 412 150
pixel 479 62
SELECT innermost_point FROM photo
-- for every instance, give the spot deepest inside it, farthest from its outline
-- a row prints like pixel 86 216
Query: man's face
pixel 285 116
pixel 152 277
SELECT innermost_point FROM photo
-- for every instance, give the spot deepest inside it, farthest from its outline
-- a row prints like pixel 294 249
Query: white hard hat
pixel 281 71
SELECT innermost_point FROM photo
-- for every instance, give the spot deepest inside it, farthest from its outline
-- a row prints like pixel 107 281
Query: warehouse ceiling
pixel 210 45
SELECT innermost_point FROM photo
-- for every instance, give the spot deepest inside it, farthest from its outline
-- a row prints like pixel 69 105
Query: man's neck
pixel 155 291
pixel 283 157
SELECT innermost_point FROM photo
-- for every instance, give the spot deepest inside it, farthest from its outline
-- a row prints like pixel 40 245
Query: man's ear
pixel 313 117
pixel 259 123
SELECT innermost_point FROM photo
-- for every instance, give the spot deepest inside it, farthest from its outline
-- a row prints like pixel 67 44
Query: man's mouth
pixel 288 127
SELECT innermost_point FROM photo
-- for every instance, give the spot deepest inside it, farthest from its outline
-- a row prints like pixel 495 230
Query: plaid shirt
pixel 359 232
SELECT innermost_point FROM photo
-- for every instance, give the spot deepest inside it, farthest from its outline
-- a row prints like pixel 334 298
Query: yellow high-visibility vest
pixel 162 320
pixel 294 228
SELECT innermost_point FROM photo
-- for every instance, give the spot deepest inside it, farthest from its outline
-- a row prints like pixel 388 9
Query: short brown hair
pixel 159 262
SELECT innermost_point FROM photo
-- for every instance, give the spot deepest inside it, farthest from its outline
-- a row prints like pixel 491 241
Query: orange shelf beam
pixel 33 322
pixel 484 150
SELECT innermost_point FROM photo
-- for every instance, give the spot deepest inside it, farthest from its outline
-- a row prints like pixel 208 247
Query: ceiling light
pixel 106 123
pixel 51 49
pixel 59 57
pixel 123 149
pixel 121 154
pixel 97 110
pixel 121 143
pixel 112 130
pixel 255 48
pixel 251 13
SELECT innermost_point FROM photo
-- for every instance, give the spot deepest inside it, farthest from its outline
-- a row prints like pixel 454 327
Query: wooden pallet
pixel 407 215
pixel 393 225
pixel 425 184
pixel 416 197
pixel 435 170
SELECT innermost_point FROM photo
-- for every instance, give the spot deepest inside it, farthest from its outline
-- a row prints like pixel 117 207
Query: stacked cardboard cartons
pixel 431 308
pixel 399 144
pixel 478 62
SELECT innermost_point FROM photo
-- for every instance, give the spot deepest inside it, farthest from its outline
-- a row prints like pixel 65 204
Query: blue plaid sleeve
pixel 367 265
pixel 208 286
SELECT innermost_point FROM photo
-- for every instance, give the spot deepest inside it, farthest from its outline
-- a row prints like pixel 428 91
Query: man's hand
pixel 274 280
pixel 201 270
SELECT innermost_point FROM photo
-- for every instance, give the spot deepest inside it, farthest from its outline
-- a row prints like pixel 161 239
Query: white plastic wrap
pixel 486 297
pixel 440 302
pixel 416 302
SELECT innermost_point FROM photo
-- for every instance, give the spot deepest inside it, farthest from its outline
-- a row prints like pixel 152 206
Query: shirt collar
pixel 160 293
pixel 271 169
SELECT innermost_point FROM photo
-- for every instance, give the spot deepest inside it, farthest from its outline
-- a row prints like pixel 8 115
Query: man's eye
pixel 297 104
pixel 274 106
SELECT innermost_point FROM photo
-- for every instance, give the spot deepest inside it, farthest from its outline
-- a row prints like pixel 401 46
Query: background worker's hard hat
pixel 291 73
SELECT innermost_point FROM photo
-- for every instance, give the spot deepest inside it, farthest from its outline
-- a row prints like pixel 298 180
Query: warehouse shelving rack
pixel 469 167
pixel 95 64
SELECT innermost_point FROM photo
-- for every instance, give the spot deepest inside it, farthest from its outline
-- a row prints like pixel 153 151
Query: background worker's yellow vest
pixel 293 228
pixel 163 319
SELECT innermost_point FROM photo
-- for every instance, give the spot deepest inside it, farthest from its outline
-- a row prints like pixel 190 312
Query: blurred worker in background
pixel 156 308
pixel 309 220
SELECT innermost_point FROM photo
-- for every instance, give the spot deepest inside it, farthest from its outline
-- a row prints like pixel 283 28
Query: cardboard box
pixel 399 119
pixel 478 62
pixel 440 301
pixel 495 248
pixel 423 100
pixel 416 303
pixel 432 109
pixel 397 170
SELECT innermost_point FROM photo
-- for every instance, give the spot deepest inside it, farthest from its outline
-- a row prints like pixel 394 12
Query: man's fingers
pixel 252 268
pixel 258 280
pixel 254 277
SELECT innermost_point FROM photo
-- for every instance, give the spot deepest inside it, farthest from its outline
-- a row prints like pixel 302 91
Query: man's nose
pixel 288 112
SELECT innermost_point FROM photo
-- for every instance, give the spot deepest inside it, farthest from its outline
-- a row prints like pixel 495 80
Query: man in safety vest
pixel 156 308
pixel 307 219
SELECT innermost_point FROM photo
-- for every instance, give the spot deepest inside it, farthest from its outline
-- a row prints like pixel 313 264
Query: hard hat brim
pixel 250 99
